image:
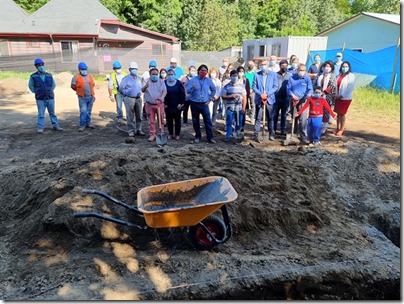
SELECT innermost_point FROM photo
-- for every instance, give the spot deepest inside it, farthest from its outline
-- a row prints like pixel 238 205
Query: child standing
pixel 316 103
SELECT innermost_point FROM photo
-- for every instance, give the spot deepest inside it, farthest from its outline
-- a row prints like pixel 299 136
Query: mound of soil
pixel 13 87
pixel 63 79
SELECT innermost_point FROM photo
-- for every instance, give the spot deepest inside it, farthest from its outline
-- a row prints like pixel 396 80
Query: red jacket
pixel 316 107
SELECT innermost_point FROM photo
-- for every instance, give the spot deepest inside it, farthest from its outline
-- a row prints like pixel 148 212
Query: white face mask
pixel 213 75
pixel 118 71
pixel 327 69
pixel 301 73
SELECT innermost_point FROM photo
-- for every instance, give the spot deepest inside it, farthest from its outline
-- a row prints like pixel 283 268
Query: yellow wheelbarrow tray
pixel 189 203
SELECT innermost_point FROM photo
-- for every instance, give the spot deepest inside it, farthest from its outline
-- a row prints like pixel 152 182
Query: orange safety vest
pixel 80 85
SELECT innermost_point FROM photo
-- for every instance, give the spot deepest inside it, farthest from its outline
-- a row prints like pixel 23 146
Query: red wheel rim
pixel 203 237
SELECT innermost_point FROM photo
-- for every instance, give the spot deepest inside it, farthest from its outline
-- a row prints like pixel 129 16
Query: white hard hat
pixel 133 65
pixel 173 59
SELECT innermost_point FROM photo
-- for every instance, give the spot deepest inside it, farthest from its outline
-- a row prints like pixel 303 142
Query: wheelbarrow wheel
pixel 201 239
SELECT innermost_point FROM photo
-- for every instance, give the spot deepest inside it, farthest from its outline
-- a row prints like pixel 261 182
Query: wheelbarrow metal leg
pixel 107 218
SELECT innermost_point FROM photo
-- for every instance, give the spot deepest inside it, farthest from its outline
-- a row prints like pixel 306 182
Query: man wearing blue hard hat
pixel 113 89
pixel 83 84
pixel 43 85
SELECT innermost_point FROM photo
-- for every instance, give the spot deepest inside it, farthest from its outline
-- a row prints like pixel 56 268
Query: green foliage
pixel 372 100
pixel 12 74
pixel 217 24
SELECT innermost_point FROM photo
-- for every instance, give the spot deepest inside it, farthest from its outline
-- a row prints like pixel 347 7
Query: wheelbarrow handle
pixel 107 218
pixel 113 199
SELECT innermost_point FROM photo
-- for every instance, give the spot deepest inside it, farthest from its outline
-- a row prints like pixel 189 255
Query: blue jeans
pixel 50 105
pixel 198 108
pixel 269 117
pixel 314 128
pixel 86 105
pixel 119 102
pixel 282 105
pixel 230 117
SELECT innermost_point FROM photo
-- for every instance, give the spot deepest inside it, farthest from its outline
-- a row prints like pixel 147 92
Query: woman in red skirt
pixel 343 98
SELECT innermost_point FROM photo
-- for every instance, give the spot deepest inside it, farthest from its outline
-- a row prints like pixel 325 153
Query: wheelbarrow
pixel 189 203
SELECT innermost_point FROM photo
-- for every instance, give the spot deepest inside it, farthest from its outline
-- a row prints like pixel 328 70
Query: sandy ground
pixel 309 223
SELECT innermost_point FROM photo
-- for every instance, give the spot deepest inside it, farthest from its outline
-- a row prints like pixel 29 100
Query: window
pixel 276 50
pixel 250 52
pixel 263 49
pixel 32 44
pixel 358 50
pixel 69 51
pixel 159 49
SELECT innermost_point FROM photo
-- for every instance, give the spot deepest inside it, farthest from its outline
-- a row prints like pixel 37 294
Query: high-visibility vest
pixel 115 84
pixel 80 85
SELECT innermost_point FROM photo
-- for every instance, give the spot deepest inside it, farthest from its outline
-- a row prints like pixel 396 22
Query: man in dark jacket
pixel 281 96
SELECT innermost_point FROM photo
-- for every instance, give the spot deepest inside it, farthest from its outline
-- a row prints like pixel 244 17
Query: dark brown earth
pixel 309 223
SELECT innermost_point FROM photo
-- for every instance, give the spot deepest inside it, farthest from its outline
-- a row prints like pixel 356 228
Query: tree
pixel 125 10
pixel 189 26
pixel 31 5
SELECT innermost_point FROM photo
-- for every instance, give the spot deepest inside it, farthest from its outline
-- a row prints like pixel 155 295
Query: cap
pixel 38 61
pixel 133 65
pixel 82 66
pixel 339 54
pixel 173 59
pixel 152 63
pixel 116 65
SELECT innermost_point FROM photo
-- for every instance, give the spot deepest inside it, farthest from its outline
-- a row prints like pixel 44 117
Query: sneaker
pixel 131 134
pixel 316 144
pixel 177 137
pixel 58 129
pixel 283 132
pixel 212 141
pixel 121 122
pixel 196 140
pixel 81 129
pixel 271 138
pixel 256 138
pixel 91 126
pixel 140 133
pixel 40 131
pixel 151 138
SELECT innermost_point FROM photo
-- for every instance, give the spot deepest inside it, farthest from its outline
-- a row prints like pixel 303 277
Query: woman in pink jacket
pixel 343 98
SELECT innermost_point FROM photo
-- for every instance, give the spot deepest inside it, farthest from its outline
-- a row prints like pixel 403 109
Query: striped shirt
pixel 239 89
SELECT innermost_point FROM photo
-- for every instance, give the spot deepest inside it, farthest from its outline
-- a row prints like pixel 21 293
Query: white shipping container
pixel 283 46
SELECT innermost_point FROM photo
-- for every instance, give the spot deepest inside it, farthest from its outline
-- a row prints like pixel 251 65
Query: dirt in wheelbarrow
pixel 309 223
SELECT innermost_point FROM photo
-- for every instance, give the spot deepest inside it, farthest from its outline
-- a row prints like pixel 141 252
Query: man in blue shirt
pixel 265 85
pixel 177 70
pixel 299 88
pixel 201 92
pixel 43 85
pixel 130 88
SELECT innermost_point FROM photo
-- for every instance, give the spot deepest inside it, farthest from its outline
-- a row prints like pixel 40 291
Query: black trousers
pixel 171 120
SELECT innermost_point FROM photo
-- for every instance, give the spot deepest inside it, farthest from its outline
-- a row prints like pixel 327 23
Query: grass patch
pixel 372 101
pixel 11 74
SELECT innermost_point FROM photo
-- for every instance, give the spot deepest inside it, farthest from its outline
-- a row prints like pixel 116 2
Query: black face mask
pixel 284 69
pixel 250 67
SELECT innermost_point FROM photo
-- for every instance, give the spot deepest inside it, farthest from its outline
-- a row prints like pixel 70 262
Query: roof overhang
pixel 43 35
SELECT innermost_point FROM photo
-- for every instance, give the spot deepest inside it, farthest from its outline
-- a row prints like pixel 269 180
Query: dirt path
pixel 308 223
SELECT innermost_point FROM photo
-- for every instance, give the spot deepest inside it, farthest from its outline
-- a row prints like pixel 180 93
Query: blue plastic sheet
pixel 379 63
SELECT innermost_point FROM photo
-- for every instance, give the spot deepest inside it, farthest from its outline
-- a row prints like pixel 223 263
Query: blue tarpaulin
pixel 379 63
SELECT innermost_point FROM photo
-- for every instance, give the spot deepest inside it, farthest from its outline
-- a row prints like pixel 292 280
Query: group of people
pixel 267 92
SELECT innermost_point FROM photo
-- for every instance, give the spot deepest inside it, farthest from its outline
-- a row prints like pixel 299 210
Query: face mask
pixel 301 74
pixel 250 67
pixel 339 58
pixel 233 79
pixel 154 77
pixel 327 69
pixel 241 74
pixel 284 70
pixel 272 63
pixel 163 75
pixel 171 78
pixel 203 74
pixel 83 72
pixel 41 68
pixel 316 95
pixel 213 75
pixel 118 71
pixel 344 70
pixel 294 65
pixel 192 74
pixel 133 72
pixel 317 59
pixel 264 68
